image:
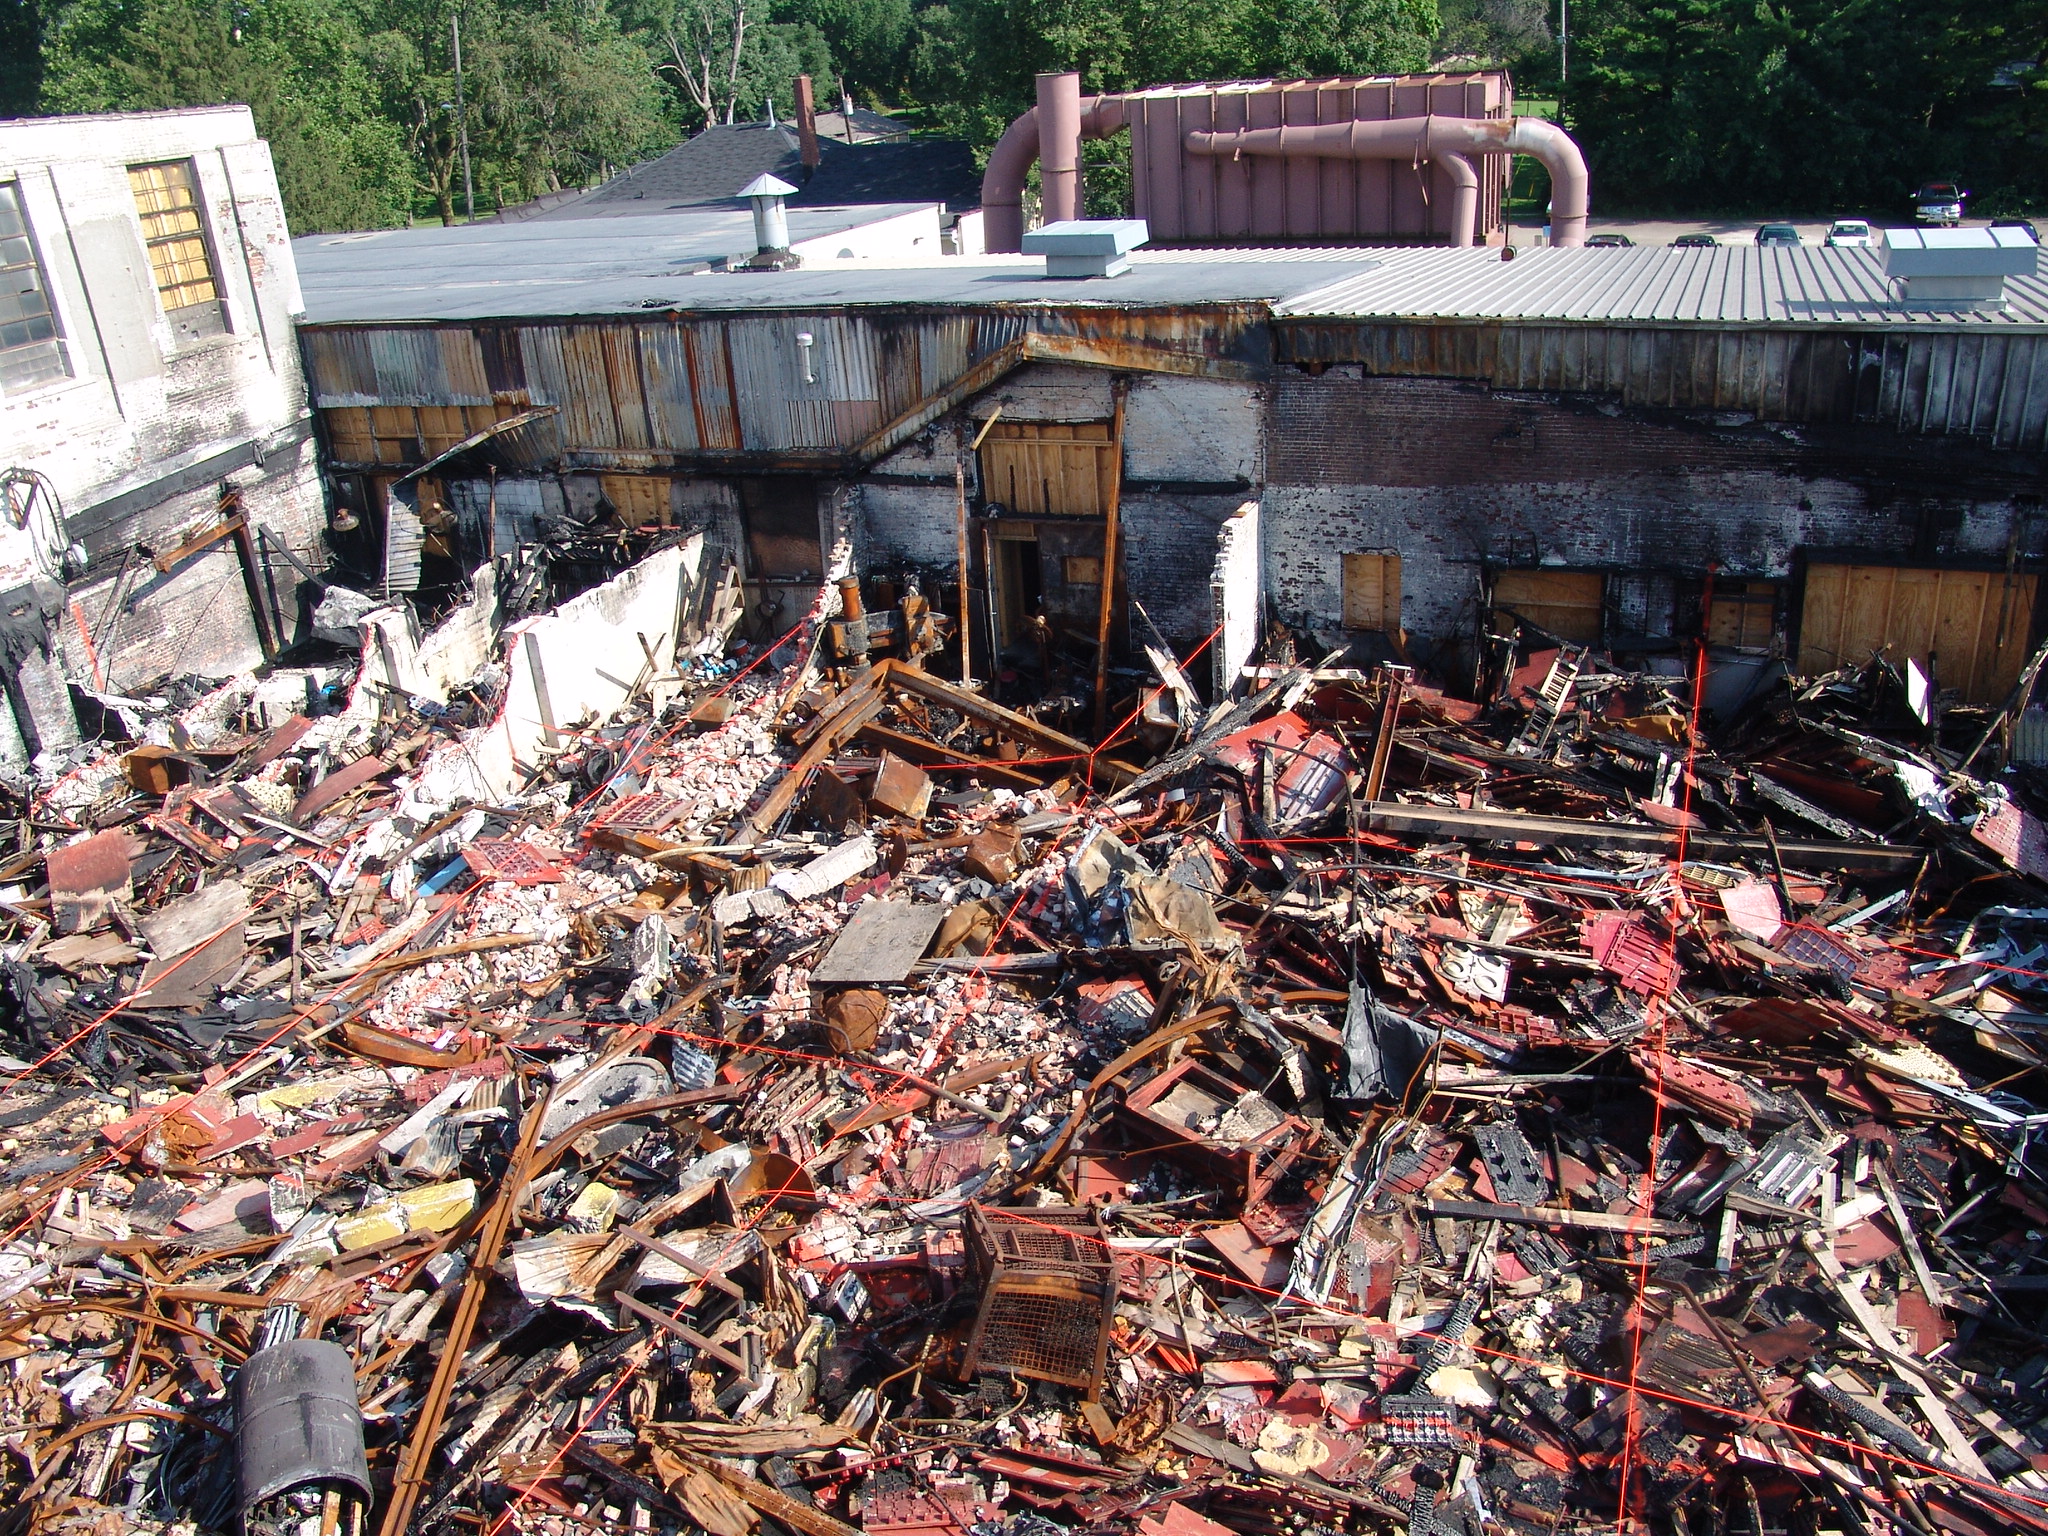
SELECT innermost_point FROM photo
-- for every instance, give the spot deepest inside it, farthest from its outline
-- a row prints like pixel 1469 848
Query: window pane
pixel 167 202
pixel 31 350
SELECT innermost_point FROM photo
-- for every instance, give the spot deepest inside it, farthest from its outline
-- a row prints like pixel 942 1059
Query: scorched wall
pixel 1458 479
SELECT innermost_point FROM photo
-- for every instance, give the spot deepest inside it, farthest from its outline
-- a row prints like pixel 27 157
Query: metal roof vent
pixel 1957 268
pixel 1087 247
pixel 771 223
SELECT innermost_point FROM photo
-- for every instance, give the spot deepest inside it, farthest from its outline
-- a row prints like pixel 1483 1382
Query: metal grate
pixel 1048 1293
pixel 648 811
pixel 506 858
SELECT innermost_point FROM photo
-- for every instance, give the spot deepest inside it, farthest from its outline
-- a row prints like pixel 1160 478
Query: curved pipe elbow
pixel 1464 198
pixel 1009 167
pixel 1431 138
pixel 1571 185
pixel 1002 185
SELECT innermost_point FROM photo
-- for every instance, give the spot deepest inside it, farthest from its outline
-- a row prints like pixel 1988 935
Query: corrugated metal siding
pixel 631 392
pixel 1985 384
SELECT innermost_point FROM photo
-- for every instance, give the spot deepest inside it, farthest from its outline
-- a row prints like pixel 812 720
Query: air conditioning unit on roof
pixel 1957 268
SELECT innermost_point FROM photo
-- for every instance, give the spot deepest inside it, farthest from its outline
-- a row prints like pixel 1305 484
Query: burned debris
pixel 783 1089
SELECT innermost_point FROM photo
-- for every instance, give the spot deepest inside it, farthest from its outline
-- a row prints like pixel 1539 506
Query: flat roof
pixel 538 266
pixel 1729 285
pixel 562 269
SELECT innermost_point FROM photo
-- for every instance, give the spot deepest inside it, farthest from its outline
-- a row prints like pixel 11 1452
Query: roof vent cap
pixel 1075 248
pixel 1957 268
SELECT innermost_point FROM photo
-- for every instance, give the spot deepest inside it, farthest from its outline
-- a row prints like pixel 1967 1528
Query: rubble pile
pixel 824 1100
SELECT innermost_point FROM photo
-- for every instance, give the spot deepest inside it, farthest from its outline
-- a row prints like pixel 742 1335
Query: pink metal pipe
pixel 1059 146
pixel 1010 162
pixel 1429 138
pixel 1464 198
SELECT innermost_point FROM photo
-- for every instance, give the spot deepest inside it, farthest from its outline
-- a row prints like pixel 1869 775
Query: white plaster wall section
pixel 428 667
pixel 1194 430
pixel 1237 598
pixel 586 655
pixel 1048 392
pixel 904 234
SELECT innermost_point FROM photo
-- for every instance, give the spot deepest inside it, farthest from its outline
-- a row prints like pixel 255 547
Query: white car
pixel 1848 232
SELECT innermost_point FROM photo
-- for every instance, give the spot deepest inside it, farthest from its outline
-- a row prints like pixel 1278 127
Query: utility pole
pixel 462 122
pixel 1564 58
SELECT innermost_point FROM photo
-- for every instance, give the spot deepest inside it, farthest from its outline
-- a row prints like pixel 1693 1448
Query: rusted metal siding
pixel 730 388
pixel 1980 384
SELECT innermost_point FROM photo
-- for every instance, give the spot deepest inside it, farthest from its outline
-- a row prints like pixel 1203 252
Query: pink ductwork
pixel 1449 140
pixel 1070 117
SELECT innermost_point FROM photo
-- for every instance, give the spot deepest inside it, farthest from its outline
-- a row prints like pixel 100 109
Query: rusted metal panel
pixel 590 407
pixel 711 385
pixel 666 386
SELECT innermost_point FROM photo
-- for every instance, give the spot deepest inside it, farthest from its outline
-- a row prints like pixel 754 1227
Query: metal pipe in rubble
pixel 1429 138
pixel 1010 162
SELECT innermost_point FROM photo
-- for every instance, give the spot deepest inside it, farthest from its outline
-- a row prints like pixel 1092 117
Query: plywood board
pixel 1372 592
pixel 1566 603
pixel 1050 468
pixel 1743 614
pixel 1968 630
pixel 882 943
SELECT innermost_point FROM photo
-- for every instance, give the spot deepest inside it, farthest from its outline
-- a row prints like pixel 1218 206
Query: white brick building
pixel 151 398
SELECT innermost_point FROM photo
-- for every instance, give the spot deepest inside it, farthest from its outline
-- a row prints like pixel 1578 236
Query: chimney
pixel 806 125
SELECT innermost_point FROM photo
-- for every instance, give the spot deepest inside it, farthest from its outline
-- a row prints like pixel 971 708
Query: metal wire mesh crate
pixel 1048 1293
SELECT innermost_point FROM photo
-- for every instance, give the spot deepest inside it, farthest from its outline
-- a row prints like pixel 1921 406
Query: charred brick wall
pixel 1455 476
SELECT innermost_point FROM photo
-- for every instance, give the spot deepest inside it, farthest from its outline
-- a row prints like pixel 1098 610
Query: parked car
pixel 1849 232
pixel 2033 234
pixel 1695 240
pixel 1939 202
pixel 1609 240
pixel 1779 234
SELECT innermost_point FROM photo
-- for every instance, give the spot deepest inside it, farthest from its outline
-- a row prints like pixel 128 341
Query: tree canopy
pixel 1808 106
pixel 1778 106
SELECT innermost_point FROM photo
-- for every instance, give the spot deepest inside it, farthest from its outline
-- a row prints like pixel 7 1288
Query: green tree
pixel 293 63
pixel 869 40
pixel 1808 106
pixel 975 59
pixel 552 95
pixel 726 60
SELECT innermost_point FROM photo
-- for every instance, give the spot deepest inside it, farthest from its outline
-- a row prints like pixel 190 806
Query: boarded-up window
pixel 1565 603
pixel 1082 570
pixel 1968 630
pixel 1372 592
pixel 1049 468
pixel 1743 613
pixel 637 499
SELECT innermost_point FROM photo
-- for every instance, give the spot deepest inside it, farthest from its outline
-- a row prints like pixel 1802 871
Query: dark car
pixel 1940 202
pixel 1695 240
pixel 1609 240
pixel 1779 234
pixel 2033 234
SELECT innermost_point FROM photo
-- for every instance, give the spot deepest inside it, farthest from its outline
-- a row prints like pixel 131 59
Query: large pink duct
pixel 1073 118
pixel 1447 139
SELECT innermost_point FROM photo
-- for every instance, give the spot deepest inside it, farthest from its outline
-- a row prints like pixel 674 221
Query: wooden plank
pixel 882 943
pixel 1560 1216
pixel 1565 832
pixel 1969 630
pixel 1570 604
pixel 1007 722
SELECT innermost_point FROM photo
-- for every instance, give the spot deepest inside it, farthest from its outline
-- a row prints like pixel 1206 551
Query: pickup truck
pixel 1939 202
